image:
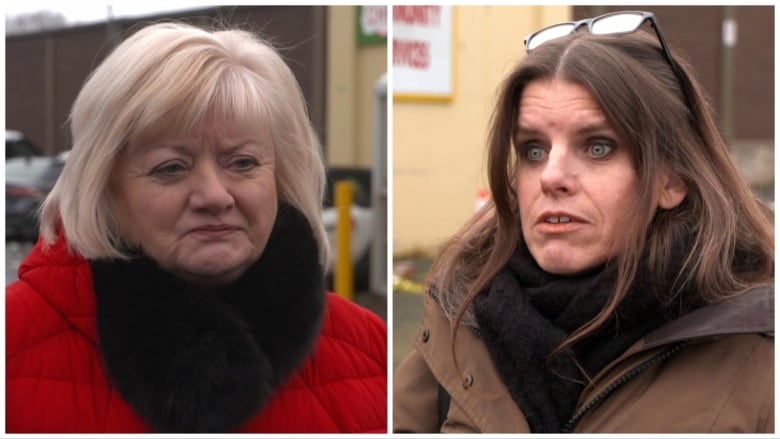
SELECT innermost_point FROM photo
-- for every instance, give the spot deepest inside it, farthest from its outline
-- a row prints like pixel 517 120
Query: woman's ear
pixel 671 191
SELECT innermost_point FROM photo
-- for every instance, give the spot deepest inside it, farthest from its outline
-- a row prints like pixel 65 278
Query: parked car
pixel 361 223
pixel 27 182
pixel 16 145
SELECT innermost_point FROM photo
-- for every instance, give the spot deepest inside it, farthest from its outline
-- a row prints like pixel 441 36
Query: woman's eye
pixel 244 163
pixel 534 153
pixel 169 169
pixel 599 150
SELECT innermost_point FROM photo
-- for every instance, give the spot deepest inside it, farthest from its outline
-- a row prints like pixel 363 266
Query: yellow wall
pixel 352 73
pixel 438 159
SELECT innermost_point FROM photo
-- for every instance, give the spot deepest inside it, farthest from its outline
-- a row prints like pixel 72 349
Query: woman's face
pixel 575 181
pixel 202 205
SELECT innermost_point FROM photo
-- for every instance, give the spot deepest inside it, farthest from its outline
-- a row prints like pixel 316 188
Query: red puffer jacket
pixel 57 379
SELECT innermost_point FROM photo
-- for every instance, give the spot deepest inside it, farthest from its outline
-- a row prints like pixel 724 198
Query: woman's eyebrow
pixel 246 143
pixel 255 147
pixel 590 128
pixel 524 130
pixel 595 127
pixel 146 148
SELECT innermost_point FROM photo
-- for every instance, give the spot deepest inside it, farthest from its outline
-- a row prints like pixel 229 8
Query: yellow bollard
pixel 343 282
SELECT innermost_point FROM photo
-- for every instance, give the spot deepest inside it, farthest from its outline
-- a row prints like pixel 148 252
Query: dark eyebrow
pixel 599 126
pixel 596 127
pixel 521 130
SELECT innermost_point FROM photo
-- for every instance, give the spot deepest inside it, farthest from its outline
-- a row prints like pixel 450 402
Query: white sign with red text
pixel 422 51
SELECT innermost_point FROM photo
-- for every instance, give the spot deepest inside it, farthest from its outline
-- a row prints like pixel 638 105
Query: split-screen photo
pixel 389 219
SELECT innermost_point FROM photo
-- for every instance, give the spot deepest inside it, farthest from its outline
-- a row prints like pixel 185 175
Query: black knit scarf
pixel 525 313
pixel 194 360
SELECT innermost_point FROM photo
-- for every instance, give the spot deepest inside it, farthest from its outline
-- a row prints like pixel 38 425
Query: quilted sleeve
pixel 356 357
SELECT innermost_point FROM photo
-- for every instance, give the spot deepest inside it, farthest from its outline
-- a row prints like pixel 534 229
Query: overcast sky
pixel 84 12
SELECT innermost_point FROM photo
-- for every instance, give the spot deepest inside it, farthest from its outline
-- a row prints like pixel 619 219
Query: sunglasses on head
pixel 614 23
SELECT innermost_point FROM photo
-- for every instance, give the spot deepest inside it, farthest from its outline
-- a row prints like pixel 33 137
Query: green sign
pixel 371 25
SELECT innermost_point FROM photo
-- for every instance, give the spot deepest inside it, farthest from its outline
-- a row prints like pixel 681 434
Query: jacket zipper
pixel 619 382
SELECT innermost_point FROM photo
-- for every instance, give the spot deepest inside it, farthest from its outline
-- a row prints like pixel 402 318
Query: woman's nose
pixel 558 174
pixel 210 190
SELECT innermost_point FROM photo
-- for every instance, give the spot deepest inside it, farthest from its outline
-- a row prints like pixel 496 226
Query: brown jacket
pixel 720 379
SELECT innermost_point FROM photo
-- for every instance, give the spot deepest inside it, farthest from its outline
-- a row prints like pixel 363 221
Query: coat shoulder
pixel 52 356
pixel 347 372
pixel 52 296
pixel 431 393
pixel 355 328
pixel 715 385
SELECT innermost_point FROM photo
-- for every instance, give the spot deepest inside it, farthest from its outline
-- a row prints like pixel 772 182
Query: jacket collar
pixel 751 312
pixel 748 313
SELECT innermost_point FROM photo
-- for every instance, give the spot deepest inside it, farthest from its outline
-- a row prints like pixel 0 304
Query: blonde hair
pixel 165 79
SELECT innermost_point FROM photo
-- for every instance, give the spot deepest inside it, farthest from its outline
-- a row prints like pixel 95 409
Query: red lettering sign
pixel 417 15
pixel 411 53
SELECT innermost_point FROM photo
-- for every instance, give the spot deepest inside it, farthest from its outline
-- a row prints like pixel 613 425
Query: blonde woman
pixel 178 283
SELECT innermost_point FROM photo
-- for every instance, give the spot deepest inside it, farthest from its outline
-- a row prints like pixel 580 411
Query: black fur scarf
pixel 191 360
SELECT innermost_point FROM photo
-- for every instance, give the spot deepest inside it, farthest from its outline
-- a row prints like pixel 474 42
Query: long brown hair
pixel 645 103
